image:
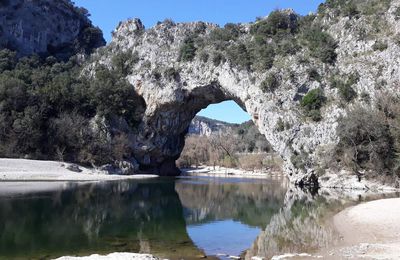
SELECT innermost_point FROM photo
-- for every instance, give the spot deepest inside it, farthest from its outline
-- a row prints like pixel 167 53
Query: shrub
pixel 204 56
pixel 288 47
pixel 47 106
pixel 350 10
pixel 299 160
pixel 240 56
pixel 313 100
pixel 276 22
pixel 155 74
pixel 89 39
pixel 312 103
pixel 270 83
pixel 172 74
pixel 280 125
pixel 218 58
pixel 321 44
pixel 365 140
pixel 264 57
pixel 188 49
pixel 123 62
pixel 220 37
pixel 347 93
pixel 7 60
pixel 313 74
pixel 380 46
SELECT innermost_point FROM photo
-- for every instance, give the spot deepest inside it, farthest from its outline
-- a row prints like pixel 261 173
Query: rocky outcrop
pixel 47 27
pixel 205 126
pixel 174 90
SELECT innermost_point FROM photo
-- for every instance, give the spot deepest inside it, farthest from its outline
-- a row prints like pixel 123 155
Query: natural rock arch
pixel 174 91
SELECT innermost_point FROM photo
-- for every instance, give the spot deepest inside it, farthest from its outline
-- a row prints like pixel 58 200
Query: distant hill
pixel 205 126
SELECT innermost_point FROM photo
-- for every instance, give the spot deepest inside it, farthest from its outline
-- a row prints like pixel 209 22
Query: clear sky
pixel 107 14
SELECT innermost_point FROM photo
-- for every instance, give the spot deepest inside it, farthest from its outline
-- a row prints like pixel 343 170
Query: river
pixel 187 217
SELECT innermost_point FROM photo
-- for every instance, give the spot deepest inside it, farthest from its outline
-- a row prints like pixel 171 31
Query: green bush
pixel 346 91
pixel 320 44
pixel 218 58
pixel 350 10
pixel 264 56
pixel 46 108
pixel 124 61
pixel 270 83
pixel 188 50
pixel 313 100
pixel 220 37
pixel 277 22
pixel 240 56
pixel 7 60
pixel 312 103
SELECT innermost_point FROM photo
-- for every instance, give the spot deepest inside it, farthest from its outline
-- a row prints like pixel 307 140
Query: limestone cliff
pixel 47 27
pixel 205 126
pixel 175 87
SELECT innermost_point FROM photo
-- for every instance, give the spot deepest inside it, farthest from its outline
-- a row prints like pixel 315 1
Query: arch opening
pixel 223 136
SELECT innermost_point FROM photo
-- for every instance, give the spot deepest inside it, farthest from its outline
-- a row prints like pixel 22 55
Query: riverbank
pixel 218 171
pixel 113 256
pixel 34 170
pixel 27 176
pixel 370 231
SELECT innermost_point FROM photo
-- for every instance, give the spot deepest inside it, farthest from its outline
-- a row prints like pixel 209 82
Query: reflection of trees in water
pixel 252 203
pixel 297 228
pixel 120 216
pixel 302 225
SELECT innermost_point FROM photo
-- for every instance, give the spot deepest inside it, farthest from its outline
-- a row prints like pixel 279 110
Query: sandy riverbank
pixel 33 170
pixel 217 171
pixel 369 231
pixel 26 176
pixel 113 256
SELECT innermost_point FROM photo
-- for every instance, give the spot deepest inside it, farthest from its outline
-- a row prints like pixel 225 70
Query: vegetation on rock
pixel 312 103
pixel 47 109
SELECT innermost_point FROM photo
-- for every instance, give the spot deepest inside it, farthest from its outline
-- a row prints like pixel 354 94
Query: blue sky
pixel 107 14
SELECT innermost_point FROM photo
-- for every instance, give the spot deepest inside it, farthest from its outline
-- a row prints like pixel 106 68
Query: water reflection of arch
pixel 95 218
pixel 251 202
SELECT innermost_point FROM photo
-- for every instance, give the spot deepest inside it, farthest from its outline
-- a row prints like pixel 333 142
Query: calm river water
pixel 179 218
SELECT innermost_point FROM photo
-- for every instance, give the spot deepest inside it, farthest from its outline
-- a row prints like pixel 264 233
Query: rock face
pixel 205 126
pixel 175 91
pixel 47 27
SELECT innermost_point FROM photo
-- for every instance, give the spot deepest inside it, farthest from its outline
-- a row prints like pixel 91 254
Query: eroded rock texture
pixel 175 90
pixel 47 27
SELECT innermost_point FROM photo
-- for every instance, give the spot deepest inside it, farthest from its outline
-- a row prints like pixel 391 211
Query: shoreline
pixel 223 172
pixel 21 176
pixel 368 230
pixel 16 170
